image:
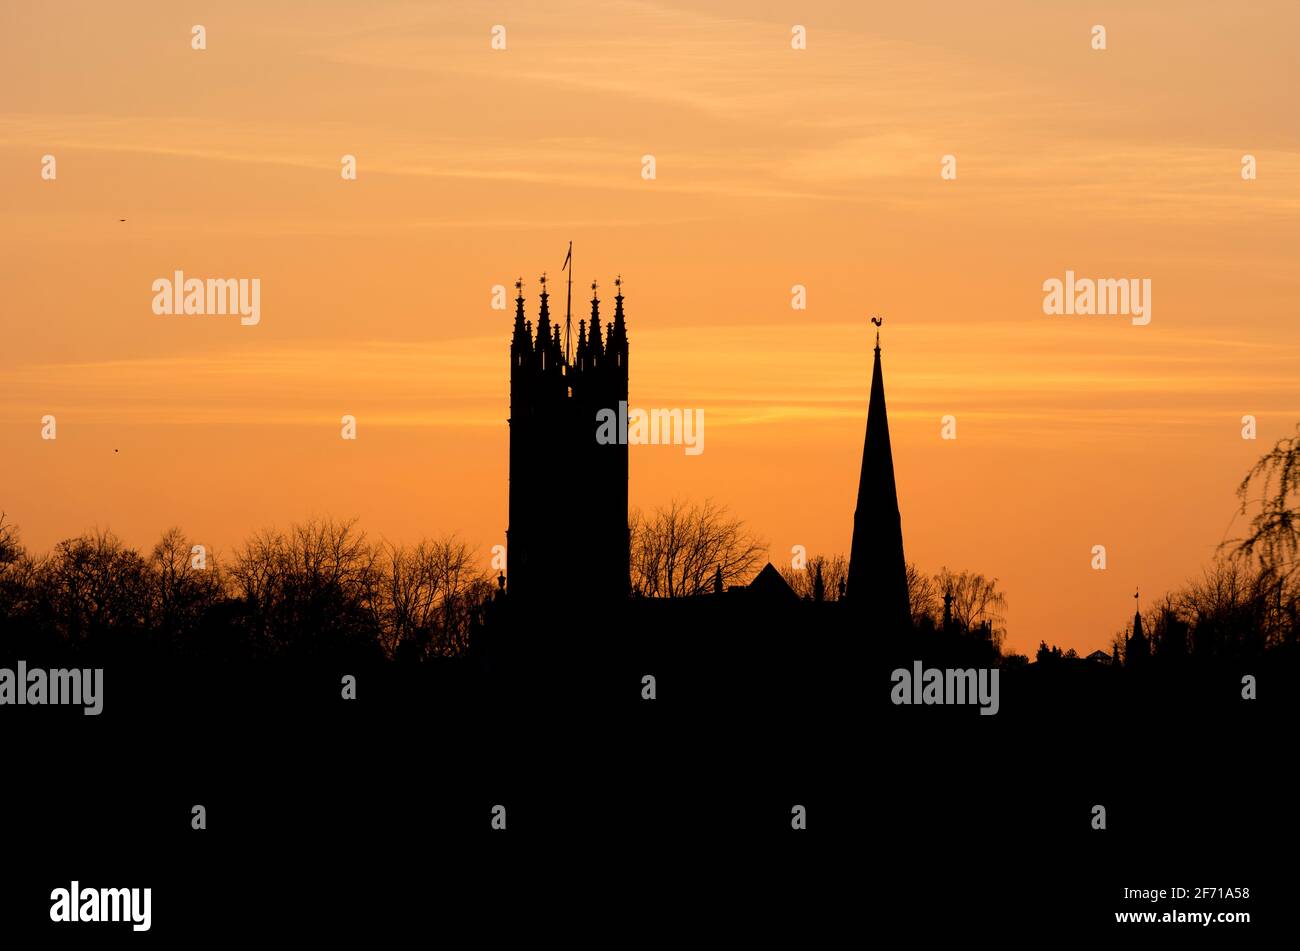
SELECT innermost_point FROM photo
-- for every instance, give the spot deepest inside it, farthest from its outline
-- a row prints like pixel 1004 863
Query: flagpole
pixel 568 309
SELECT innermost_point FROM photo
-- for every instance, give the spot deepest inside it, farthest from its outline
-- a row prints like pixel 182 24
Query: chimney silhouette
pixel 877 588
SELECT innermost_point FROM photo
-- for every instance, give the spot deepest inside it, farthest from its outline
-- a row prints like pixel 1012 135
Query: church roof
pixel 768 583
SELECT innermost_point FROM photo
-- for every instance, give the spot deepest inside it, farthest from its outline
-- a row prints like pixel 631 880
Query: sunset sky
pixel 775 167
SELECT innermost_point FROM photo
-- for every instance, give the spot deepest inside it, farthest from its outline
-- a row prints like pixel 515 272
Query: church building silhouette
pixel 578 551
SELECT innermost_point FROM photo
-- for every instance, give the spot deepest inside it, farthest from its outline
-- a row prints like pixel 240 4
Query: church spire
pixel 877 586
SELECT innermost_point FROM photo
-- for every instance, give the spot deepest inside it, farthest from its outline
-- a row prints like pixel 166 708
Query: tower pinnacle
pixel 617 331
pixel 519 306
pixel 544 317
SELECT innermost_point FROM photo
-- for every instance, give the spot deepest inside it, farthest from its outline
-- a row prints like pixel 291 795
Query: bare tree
pixel 17 572
pixel 834 571
pixel 315 587
pixel 922 595
pixel 977 604
pixel 181 592
pixel 680 550
pixel 1236 608
pixel 11 547
pixel 429 595
pixel 1274 537
pixel 92 586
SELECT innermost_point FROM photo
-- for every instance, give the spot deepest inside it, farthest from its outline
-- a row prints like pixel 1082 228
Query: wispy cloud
pixel 780 375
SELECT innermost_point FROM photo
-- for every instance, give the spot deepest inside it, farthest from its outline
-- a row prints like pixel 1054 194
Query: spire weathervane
pixel 877 321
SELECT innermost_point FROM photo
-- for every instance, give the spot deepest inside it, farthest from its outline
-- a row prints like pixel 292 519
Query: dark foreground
pixel 669 818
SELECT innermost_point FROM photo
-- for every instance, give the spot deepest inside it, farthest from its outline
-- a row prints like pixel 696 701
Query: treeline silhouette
pixel 1236 609
pixel 1246 603
pixel 319 589
pixel 322 589
pixel 955 615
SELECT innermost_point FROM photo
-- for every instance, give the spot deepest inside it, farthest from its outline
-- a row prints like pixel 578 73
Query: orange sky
pixel 775 167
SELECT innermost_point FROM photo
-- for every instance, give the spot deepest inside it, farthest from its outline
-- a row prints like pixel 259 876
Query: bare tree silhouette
pixel 1235 609
pixel 92 588
pixel 17 573
pixel 428 596
pixel 679 551
pixel 1274 538
pixel 181 593
pixel 313 589
pixel 11 548
pixel 803 581
pixel 923 597
pixel 977 604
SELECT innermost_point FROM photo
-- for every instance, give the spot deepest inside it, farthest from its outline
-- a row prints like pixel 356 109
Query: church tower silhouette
pixel 877 587
pixel 567 540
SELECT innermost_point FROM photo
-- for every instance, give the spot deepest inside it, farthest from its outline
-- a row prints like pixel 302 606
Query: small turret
pixel 594 342
pixel 544 322
pixel 1137 651
pixel 616 341
pixel 521 344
